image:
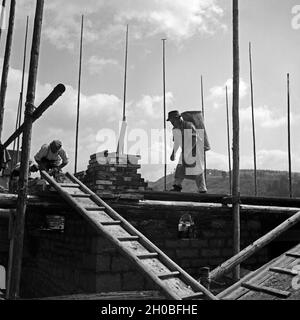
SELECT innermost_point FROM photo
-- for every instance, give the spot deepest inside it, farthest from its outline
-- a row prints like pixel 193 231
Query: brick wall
pixel 80 261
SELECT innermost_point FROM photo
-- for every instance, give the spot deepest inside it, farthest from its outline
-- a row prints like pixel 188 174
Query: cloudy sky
pixel 198 43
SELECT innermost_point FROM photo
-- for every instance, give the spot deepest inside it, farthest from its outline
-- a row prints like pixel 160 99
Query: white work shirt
pixel 45 152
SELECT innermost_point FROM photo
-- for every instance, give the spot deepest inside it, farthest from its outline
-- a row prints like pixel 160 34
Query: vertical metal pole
pixel 18 238
pixel 120 147
pixel 165 113
pixel 6 61
pixel 78 97
pixel 203 113
pixel 125 74
pixel 253 121
pixel 236 135
pixel 228 143
pixel 289 136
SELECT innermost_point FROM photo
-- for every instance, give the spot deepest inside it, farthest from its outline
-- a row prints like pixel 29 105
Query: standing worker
pixel 191 163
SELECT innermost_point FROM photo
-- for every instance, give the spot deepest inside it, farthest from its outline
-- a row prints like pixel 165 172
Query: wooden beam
pixel 228 143
pixel 6 61
pixel 236 136
pixel 17 250
pixel 164 113
pixel 254 247
pixel 289 137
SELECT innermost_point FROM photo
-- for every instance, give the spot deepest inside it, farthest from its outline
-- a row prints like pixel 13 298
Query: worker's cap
pixel 173 115
pixel 57 144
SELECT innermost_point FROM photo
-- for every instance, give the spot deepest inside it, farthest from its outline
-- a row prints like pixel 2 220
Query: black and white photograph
pixel 148 154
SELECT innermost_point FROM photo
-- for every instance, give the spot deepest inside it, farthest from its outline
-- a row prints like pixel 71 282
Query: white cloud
pixel 218 93
pixel 264 117
pixel 152 106
pixel 175 19
pixel 97 64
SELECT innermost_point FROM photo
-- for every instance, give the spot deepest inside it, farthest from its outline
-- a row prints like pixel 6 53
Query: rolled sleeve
pixel 64 156
pixel 42 153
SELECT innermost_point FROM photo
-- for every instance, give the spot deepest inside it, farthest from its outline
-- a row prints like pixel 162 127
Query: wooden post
pixel 204 277
pixel 228 143
pixel 2 16
pixel 78 97
pixel 20 105
pixel 236 135
pixel 289 137
pixel 6 61
pixel 253 121
pixel 17 251
pixel 165 113
pixel 203 113
pixel 254 247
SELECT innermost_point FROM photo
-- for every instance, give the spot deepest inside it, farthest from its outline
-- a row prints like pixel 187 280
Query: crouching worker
pixel 52 157
pixel 15 174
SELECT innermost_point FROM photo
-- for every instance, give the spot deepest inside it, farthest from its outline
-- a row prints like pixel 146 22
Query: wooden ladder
pixel 156 265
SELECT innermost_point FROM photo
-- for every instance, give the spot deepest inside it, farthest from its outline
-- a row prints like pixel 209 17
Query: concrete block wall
pixel 81 261
pixel 74 261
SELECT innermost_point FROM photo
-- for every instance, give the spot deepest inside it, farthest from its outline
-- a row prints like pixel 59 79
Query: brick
pixel 254 225
pixel 108 282
pixel 208 234
pixel 184 253
pixel 103 263
pixel 119 264
pixel 210 253
pixel 132 281
pixel 218 224
pixel 199 263
pixel 217 243
pixel 195 243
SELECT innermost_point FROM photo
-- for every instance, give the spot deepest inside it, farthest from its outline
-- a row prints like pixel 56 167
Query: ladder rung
pixel 69 185
pixel 110 223
pixel 267 290
pixel 129 238
pixel 148 255
pixel 83 195
pixel 95 208
pixel 194 296
pixel 284 271
pixel 293 255
pixel 169 275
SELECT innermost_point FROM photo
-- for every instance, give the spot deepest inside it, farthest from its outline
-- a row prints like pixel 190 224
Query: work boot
pixel 176 188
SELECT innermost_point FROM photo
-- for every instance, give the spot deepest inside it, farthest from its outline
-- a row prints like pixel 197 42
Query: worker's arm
pixel 41 154
pixel 177 137
pixel 64 157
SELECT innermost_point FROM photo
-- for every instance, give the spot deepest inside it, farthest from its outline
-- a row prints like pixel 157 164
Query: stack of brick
pixel 110 176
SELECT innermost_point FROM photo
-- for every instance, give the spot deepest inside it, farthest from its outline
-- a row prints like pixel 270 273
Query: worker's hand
pixel 172 158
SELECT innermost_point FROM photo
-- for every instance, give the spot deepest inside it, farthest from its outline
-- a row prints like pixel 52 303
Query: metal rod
pixel 165 113
pixel 228 142
pixel 78 98
pixel 17 250
pixel 236 135
pixel 125 74
pixel 289 137
pixel 120 147
pixel 6 61
pixel 253 120
pixel 203 113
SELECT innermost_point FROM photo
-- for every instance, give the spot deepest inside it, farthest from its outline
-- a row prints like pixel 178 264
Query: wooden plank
pixel 110 223
pixel 80 195
pixel 148 255
pixel 94 208
pixel 131 238
pixel 268 290
pixel 284 271
pixel 166 276
pixel 194 296
pixel 69 185
pixel 293 255
pixel 180 287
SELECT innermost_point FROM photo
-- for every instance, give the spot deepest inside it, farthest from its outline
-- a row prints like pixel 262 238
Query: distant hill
pixel 270 183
